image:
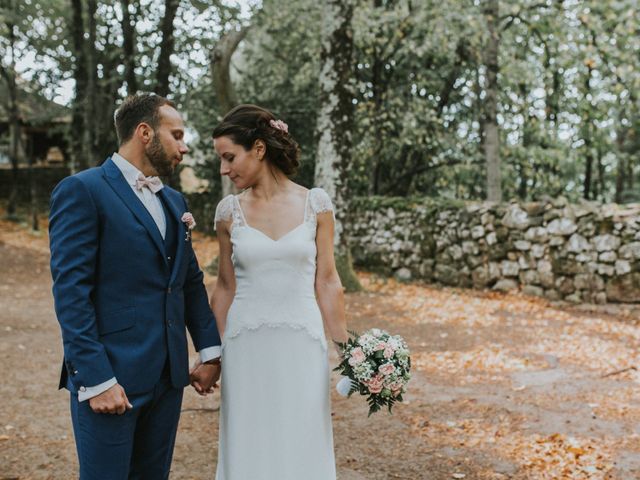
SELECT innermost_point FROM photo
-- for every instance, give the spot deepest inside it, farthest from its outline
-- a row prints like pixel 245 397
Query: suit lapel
pixel 176 212
pixel 116 180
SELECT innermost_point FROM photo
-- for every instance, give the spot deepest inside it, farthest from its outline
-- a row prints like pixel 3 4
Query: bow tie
pixel 152 183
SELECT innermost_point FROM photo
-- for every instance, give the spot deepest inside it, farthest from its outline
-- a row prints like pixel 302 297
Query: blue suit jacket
pixel 121 309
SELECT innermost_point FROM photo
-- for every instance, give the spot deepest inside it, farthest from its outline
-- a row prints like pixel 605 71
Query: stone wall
pixel 584 252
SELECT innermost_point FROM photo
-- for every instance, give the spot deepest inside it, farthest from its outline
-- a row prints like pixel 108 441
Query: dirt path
pixel 505 386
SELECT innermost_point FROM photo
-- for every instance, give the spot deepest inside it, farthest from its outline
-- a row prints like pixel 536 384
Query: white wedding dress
pixel 275 417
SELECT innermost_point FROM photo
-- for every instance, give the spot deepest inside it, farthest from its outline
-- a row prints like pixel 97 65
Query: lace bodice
pixel 275 278
pixel 317 202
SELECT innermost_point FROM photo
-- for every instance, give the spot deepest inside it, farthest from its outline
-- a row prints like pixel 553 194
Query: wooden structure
pixel 43 125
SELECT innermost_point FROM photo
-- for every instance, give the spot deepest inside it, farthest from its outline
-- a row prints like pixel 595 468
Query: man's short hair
pixel 137 109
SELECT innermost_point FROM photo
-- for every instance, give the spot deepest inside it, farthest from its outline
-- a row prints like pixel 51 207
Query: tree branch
pixel 448 86
pixel 513 16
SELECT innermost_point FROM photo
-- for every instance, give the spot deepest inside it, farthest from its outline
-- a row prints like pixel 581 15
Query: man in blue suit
pixel 127 286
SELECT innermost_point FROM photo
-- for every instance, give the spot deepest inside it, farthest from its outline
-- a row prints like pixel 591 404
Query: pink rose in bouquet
pixel 389 352
pixel 396 388
pixel 387 369
pixel 357 357
pixel 375 384
pixel 380 346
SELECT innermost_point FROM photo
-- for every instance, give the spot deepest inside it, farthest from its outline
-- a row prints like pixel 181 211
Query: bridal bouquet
pixel 376 365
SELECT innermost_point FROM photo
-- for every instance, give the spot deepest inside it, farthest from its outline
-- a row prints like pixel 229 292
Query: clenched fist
pixel 113 400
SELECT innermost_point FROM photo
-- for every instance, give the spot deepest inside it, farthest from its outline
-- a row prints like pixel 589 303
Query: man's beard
pixel 158 158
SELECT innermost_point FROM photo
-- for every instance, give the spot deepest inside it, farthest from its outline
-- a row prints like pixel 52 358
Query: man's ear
pixel 144 132
pixel 260 148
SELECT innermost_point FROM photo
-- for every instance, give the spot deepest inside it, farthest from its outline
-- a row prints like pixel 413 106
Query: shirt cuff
pixel 85 393
pixel 209 353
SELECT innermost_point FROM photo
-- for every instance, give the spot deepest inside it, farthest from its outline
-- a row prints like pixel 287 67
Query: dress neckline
pixel 246 224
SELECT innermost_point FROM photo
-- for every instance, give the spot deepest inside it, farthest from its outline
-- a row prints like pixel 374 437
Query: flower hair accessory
pixel 279 125
pixel 190 222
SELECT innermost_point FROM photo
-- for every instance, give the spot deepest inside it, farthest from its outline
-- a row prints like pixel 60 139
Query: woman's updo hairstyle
pixel 245 124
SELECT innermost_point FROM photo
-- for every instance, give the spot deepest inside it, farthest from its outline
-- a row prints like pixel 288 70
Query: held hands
pixel 204 377
pixel 113 400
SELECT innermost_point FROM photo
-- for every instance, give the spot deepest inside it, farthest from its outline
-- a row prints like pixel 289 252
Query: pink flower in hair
pixel 279 125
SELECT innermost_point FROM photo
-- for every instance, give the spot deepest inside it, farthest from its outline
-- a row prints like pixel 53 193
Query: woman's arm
pixel 328 287
pixel 225 288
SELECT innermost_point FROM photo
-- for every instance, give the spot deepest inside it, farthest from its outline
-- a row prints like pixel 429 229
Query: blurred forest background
pixel 466 99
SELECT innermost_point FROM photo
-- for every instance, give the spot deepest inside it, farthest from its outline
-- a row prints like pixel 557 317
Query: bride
pixel 277 289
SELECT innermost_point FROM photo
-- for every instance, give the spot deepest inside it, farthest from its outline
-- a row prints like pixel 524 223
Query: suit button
pixel 169 290
pixel 83 389
pixel 169 258
pixel 75 372
pixel 169 323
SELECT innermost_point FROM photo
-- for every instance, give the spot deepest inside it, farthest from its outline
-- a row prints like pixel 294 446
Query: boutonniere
pixel 190 222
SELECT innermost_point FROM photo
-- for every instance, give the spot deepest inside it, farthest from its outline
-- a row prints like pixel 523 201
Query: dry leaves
pixel 465 338
pixel 471 346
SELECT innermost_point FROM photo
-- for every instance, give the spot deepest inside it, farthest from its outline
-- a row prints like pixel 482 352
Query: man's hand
pixel 113 400
pixel 204 377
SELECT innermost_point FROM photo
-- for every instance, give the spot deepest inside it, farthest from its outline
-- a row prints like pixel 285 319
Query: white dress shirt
pixel 149 199
pixel 153 205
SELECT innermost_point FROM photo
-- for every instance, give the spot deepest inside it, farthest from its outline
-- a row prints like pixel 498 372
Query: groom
pixel 126 283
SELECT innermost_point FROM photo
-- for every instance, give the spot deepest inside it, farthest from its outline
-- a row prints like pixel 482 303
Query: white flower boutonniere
pixel 190 222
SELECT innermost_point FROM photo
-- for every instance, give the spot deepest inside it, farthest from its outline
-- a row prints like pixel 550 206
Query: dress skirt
pixel 275 414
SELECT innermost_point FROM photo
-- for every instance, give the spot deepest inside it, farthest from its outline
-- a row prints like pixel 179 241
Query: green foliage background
pixel 568 86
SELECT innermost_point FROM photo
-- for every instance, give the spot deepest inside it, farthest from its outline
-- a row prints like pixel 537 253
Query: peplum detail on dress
pixel 265 323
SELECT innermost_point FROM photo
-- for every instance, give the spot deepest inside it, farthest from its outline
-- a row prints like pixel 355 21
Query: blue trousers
pixel 135 445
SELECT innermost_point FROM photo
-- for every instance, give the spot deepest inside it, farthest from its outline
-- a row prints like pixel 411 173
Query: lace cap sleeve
pixel 320 201
pixel 224 210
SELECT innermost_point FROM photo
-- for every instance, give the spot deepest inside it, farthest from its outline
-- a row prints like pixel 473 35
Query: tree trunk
pixel 90 130
pixel 523 163
pixel 588 174
pixel 33 188
pixel 335 124
pixel 129 47
pixel 79 160
pixel 491 132
pixel 225 93
pixel 601 190
pixel 106 97
pixel 15 142
pixel 588 168
pixel 14 148
pixel 620 174
pixel 376 80
pixel 221 65
pixel 630 179
pixel 166 47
